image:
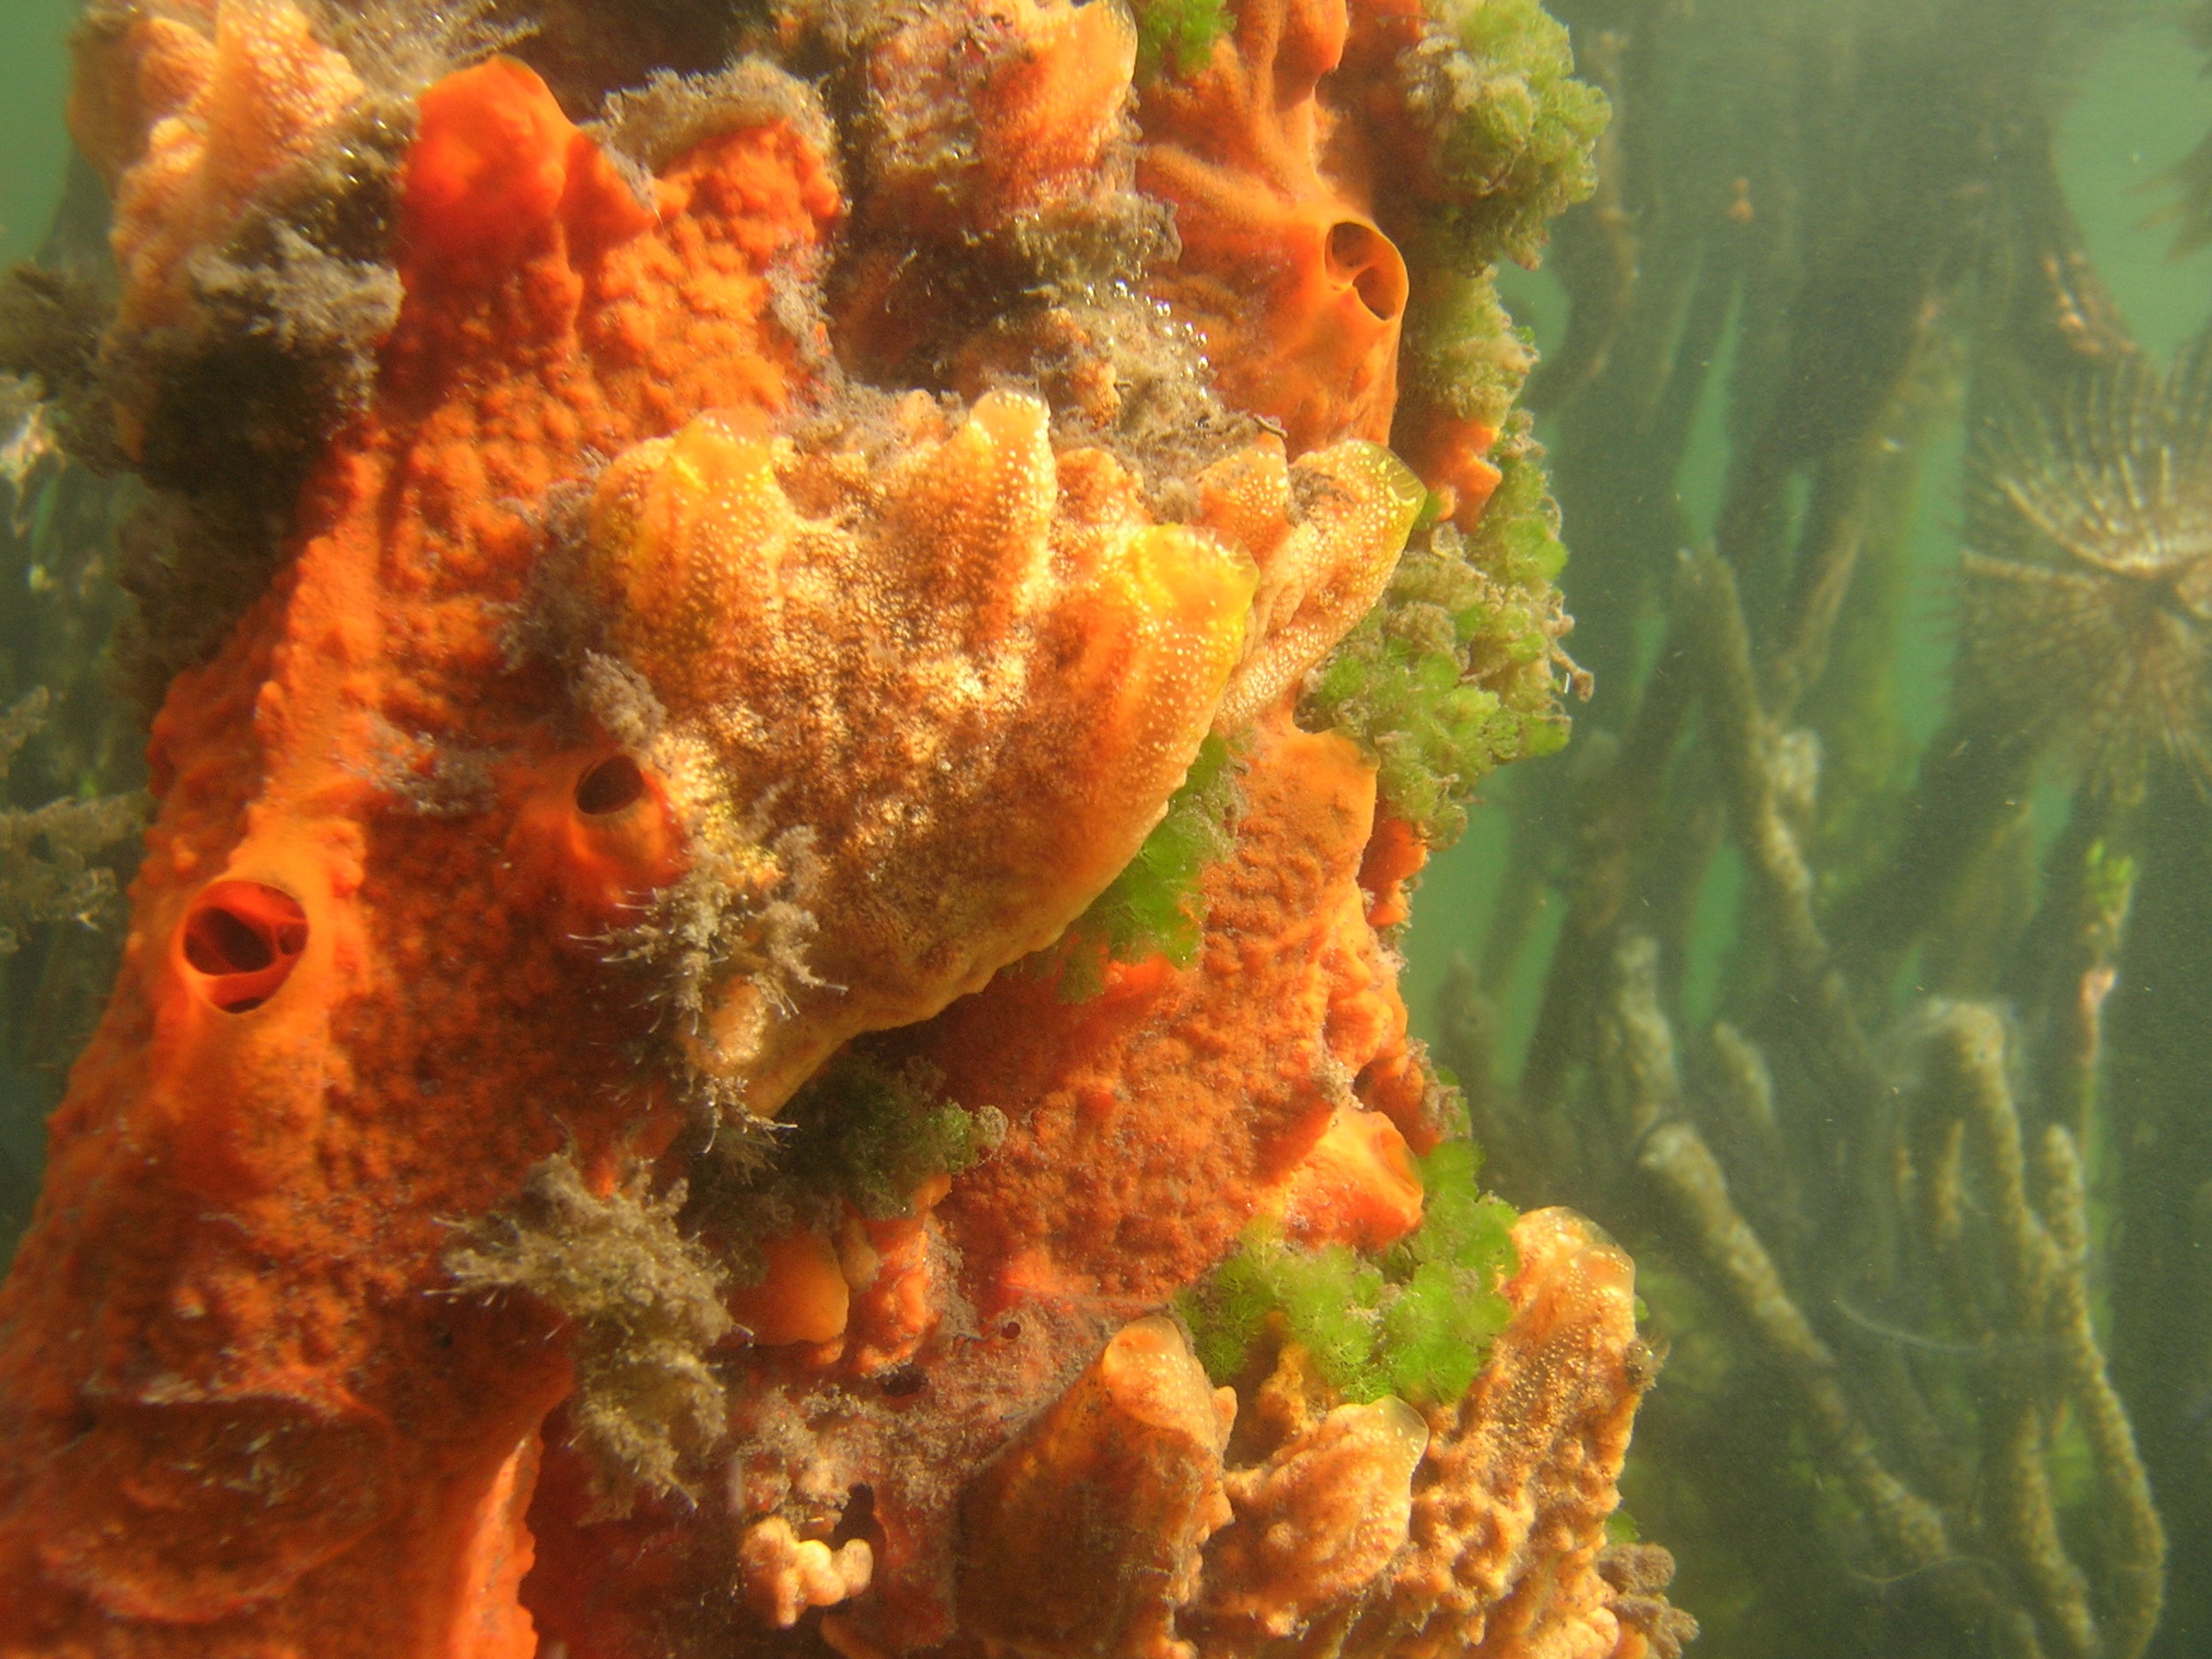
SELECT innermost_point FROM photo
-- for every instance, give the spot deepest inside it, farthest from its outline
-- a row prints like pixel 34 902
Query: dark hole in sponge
pixel 902 1380
pixel 242 940
pixel 858 1519
pixel 608 787
pixel 1364 255
pixel 222 941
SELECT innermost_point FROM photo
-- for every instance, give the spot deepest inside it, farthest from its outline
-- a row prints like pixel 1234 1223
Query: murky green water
pixel 33 81
pixel 1637 985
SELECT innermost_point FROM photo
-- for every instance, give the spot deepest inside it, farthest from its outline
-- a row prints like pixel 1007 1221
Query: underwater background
pixel 1853 964
pixel 1862 931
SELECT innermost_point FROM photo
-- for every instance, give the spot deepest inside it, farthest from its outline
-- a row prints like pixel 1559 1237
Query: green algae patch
pixel 862 1132
pixel 1175 37
pixel 1156 907
pixel 1415 1322
pixel 872 1135
pixel 1515 130
pixel 1458 671
pixel 1464 351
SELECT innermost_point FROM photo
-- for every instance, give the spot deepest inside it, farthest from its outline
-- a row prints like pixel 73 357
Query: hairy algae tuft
pixel 639 1275
pixel 1414 1322
pixel 644 1302
pixel 1458 671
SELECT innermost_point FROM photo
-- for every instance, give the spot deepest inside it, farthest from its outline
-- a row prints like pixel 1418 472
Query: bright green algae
pixel 1454 673
pixel 1155 907
pixel 1518 130
pixel 1415 1321
pixel 1174 37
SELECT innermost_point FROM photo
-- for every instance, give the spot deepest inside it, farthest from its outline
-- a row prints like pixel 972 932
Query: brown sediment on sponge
pixel 614 1128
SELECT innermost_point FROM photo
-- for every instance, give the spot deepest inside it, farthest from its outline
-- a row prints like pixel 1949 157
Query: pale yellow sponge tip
pixel 1326 532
